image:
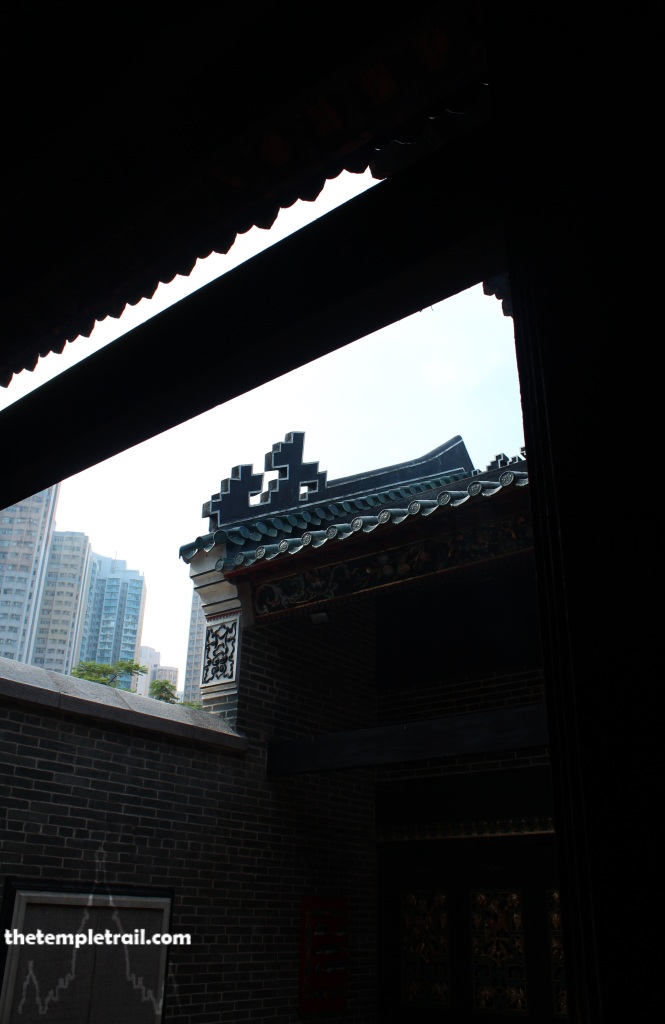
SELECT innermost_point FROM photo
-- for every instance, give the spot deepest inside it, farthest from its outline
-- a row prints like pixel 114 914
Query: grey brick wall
pixel 461 696
pixel 90 802
pixel 87 802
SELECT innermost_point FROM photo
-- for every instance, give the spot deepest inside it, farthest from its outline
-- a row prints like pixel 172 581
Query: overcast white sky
pixel 391 396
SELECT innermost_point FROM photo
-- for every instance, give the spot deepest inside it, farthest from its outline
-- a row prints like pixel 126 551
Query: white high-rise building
pixel 195 650
pixel 150 659
pixel 114 613
pixel 61 614
pixel 168 672
pixel 25 536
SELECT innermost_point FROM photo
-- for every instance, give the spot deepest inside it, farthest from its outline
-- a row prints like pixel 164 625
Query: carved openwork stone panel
pixel 221 651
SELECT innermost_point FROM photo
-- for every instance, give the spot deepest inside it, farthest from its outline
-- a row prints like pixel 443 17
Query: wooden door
pixel 470 931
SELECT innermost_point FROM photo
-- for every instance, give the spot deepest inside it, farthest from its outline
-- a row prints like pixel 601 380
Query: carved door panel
pixel 470 931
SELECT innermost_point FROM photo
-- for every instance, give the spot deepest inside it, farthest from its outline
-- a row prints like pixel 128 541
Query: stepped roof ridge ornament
pixel 301 484
pixel 414 488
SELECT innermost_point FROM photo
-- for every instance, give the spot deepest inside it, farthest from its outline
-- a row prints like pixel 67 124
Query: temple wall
pixel 461 696
pixel 299 678
pixel 92 802
pixel 98 802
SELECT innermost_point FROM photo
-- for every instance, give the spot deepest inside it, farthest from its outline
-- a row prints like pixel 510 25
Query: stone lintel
pixel 218 595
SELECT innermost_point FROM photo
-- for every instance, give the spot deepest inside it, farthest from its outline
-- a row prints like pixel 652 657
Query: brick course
pixel 461 696
pixel 87 802
pixel 90 801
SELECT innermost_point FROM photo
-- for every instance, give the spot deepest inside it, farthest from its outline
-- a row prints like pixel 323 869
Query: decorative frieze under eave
pixel 428 553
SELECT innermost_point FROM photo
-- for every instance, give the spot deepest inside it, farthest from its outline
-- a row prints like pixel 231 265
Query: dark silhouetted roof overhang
pixel 162 137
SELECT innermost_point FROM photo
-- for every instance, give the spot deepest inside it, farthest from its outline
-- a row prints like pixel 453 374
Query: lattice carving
pixel 425 950
pixel 560 993
pixel 499 967
pixel 221 652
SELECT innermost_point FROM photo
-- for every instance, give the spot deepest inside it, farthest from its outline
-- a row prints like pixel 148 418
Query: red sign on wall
pixel 324 953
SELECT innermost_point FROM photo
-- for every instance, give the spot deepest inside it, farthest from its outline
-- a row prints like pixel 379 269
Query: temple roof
pixel 156 141
pixel 302 510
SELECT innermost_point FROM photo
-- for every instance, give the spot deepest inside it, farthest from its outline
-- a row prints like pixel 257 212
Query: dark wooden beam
pixel 501 729
pixel 413 240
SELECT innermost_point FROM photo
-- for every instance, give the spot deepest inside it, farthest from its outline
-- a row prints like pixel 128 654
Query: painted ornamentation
pixel 458 547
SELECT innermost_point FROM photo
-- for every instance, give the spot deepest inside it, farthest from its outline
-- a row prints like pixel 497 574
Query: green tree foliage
pixel 162 689
pixel 192 704
pixel 107 675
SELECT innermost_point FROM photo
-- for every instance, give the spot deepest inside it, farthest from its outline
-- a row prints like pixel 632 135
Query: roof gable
pixel 303 510
pixel 300 484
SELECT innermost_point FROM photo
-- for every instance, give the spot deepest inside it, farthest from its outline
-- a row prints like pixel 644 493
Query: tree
pixel 162 689
pixel 192 704
pixel 107 675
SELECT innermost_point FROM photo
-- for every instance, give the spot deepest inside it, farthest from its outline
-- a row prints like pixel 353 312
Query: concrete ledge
pixel 511 728
pixel 106 704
